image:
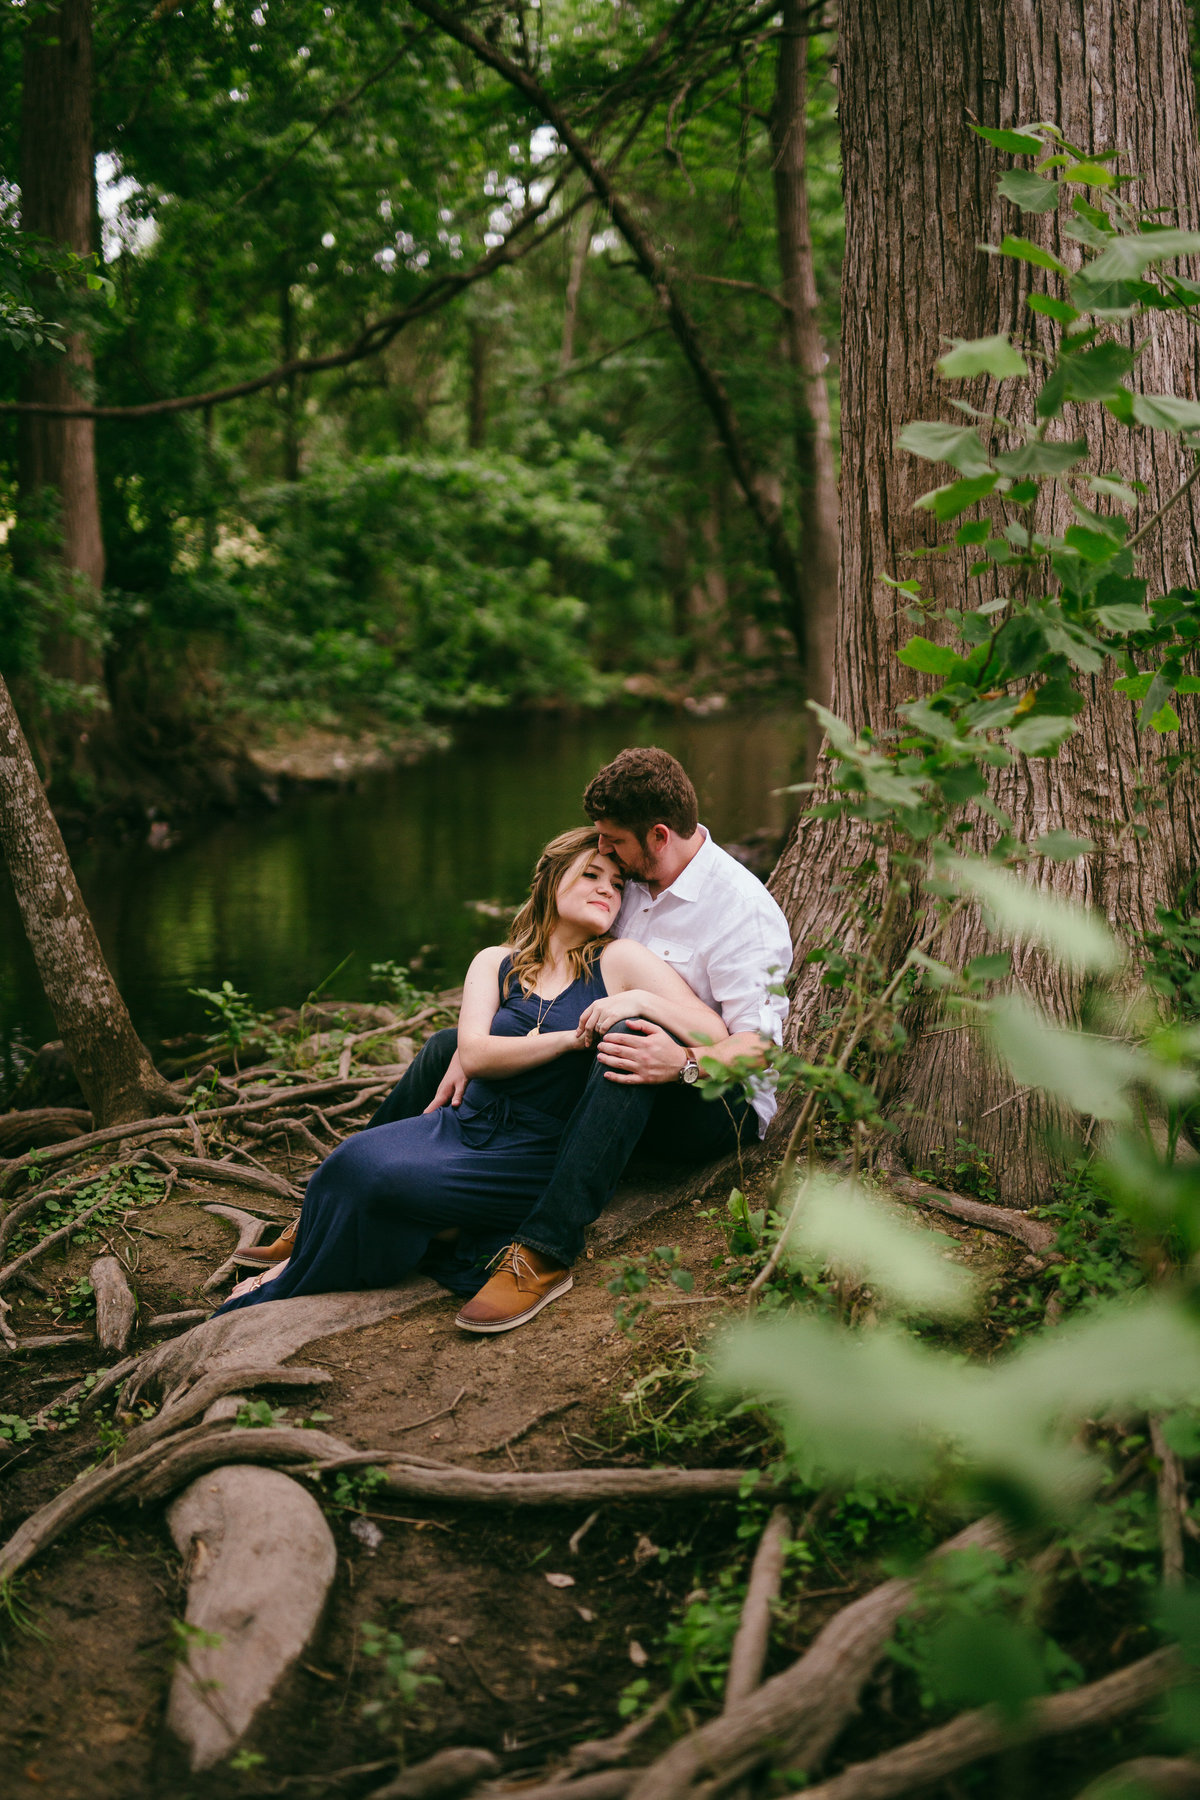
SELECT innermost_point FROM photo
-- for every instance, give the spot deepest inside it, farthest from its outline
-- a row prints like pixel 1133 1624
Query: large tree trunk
pixel 920 197
pixel 118 1079
pixel 57 204
pixel 817 570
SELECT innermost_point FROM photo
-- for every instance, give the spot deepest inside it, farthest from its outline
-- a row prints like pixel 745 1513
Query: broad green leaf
pixel 957 445
pixel 1165 719
pixel 993 356
pixel 1119 491
pixel 1078 938
pixel 1052 308
pixel 1039 457
pixel 1062 846
pixel 1026 251
pixel 1136 686
pixel 928 658
pixel 1188 684
pixel 1122 618
pixel 1018 142
pixel 1090 174
pixel 1029 191
pixel 1089 1074
pixel 1166 412
pixel 895 790
pixel 1093 373
pixel 1125 258
pixel 949 501
pixel 989 968
pixel 1041 735
pixel 977 531
pixel 923 716
pixel 1093 546
pixel 855 1235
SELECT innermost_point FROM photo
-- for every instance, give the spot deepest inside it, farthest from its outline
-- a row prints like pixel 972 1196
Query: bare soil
pixel 524 1666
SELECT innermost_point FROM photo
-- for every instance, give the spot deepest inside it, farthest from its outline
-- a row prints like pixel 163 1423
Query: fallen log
pixel 116 1307
pixel 938 1754
pixel 259 1563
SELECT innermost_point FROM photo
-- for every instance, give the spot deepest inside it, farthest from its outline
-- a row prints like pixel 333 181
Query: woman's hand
pixel 603 1014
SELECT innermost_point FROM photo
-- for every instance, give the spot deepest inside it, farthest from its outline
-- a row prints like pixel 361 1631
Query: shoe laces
pixel 513 1260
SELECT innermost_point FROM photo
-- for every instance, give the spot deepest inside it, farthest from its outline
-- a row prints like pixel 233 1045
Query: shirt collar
pixel 689 883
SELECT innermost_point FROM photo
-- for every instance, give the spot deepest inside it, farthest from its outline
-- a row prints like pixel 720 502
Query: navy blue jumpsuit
pixel 375 1205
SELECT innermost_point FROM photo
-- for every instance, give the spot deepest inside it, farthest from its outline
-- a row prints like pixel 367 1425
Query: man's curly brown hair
pixel 640 788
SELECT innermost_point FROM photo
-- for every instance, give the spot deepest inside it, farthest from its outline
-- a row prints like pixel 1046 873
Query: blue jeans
pixel 668 1121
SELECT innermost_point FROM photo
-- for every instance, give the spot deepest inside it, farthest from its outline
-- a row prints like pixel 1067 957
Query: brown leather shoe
pixel 523 1283
pixel 265 1256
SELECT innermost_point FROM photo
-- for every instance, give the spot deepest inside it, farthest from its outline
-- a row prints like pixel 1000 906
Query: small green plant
pixel 184 1637
pixel 245 1762
pixel 79 1302
pixel 259 1415
pixel 396 981
pixel 400 1685
pixel 635 1275
pixel 14 1429
pixel 238 1019
pixel 634 1698
pixel 353 1489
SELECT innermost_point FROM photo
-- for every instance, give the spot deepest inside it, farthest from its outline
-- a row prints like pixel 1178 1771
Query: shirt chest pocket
pixel 679 956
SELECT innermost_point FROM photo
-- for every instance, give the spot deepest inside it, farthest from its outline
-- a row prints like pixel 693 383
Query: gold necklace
pixel 542 1011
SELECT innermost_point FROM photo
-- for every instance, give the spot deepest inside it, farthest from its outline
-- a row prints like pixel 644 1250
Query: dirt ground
pixel 524 1666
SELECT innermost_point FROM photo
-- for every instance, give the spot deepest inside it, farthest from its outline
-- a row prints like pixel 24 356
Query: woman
pixel 532 1010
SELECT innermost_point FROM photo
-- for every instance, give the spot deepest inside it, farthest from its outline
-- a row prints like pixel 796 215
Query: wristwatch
pixel 690 1072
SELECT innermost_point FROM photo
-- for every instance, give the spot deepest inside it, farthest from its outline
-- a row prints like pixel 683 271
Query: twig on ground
pixel 432 1417
pixel 938 1754
pixel 576 1538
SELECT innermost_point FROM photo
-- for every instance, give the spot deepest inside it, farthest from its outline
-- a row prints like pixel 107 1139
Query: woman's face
pixel 589 894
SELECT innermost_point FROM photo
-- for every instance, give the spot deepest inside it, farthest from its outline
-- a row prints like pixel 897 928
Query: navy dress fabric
pixel 373 1208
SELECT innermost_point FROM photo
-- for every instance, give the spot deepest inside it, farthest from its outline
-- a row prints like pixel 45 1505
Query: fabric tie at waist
pixel 500 1113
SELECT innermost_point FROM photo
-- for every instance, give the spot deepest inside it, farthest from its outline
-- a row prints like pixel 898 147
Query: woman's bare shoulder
pixel 488 961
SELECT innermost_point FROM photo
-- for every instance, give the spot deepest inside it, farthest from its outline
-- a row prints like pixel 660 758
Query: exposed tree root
pixel 116 1307
pixel 440 1777
pixel 1172 1504
pixel 793 1718
pixel 938 1754
pixel 1167 1777
pixel 183 1406
pixel 19 1263
pixel 749 1653
pixel 250 1230
pixel 29 1130
pixel 1031 1232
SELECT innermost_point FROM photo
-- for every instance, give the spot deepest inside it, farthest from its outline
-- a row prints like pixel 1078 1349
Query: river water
pixel 386 869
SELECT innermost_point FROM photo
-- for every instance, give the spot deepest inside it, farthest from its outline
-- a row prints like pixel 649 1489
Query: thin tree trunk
pixel 920 197
pixel 118 1079
pixel 57 204
pixel 56 458
pixel 816 592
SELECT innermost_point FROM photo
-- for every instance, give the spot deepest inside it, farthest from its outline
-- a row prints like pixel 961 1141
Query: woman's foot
pixel 265 1256
pixel 253 1282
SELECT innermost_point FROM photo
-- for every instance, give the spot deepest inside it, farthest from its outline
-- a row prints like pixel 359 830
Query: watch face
pixel 689 1073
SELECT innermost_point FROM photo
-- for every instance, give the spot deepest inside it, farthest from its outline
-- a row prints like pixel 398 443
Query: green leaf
pixel 1120 491
pixel 957 445
pixel 1062 846
pixel 1090 174
pixel 949 501
pixel 982 356
pixel 1052 308
pixel 977 531
pixel 1122 618
pixel 1041 458
pixel 1166 412
pixel 1018 142
pixel 1128 257
pixel 1165 719
pixel 1029 191
pixel 849 1232
pixel 989 968
pixel 1093 373
pixel 1041 736
pixel 1026 251
pixel 1094 546
pixel 1078 938
pixel 928 658
pixel 1136 686
pixel 1089 1074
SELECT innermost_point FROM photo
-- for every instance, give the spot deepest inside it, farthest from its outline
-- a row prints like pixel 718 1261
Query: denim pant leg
pixel 419 1082
pixel 677 1124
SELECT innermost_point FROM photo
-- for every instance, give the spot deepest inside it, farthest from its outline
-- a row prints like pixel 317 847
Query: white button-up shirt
pixel 719 928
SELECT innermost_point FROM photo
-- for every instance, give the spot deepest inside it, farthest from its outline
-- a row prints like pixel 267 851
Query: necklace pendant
pixel 534 1031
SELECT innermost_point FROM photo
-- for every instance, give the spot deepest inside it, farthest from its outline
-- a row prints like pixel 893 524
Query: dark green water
pixel 275 900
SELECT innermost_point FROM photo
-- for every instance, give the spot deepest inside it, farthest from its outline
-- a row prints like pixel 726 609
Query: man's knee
pixel 438 1049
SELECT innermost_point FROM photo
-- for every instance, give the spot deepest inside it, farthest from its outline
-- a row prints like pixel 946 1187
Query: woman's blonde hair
pixel 529 937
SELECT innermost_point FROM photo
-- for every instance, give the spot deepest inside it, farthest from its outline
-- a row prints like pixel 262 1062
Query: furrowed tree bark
pixel 920 196
pixel 817 571
pixel 113 1066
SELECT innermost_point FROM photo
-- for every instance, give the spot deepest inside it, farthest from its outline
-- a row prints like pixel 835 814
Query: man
pixel 714 922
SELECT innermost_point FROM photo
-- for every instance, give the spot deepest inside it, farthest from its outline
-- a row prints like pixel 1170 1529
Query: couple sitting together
pixel 641 945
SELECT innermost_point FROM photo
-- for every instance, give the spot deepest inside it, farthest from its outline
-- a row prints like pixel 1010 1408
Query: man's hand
pixel 452 1087
pixel 650 1056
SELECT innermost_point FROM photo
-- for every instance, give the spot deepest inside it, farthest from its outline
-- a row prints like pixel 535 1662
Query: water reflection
pixel 275 901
